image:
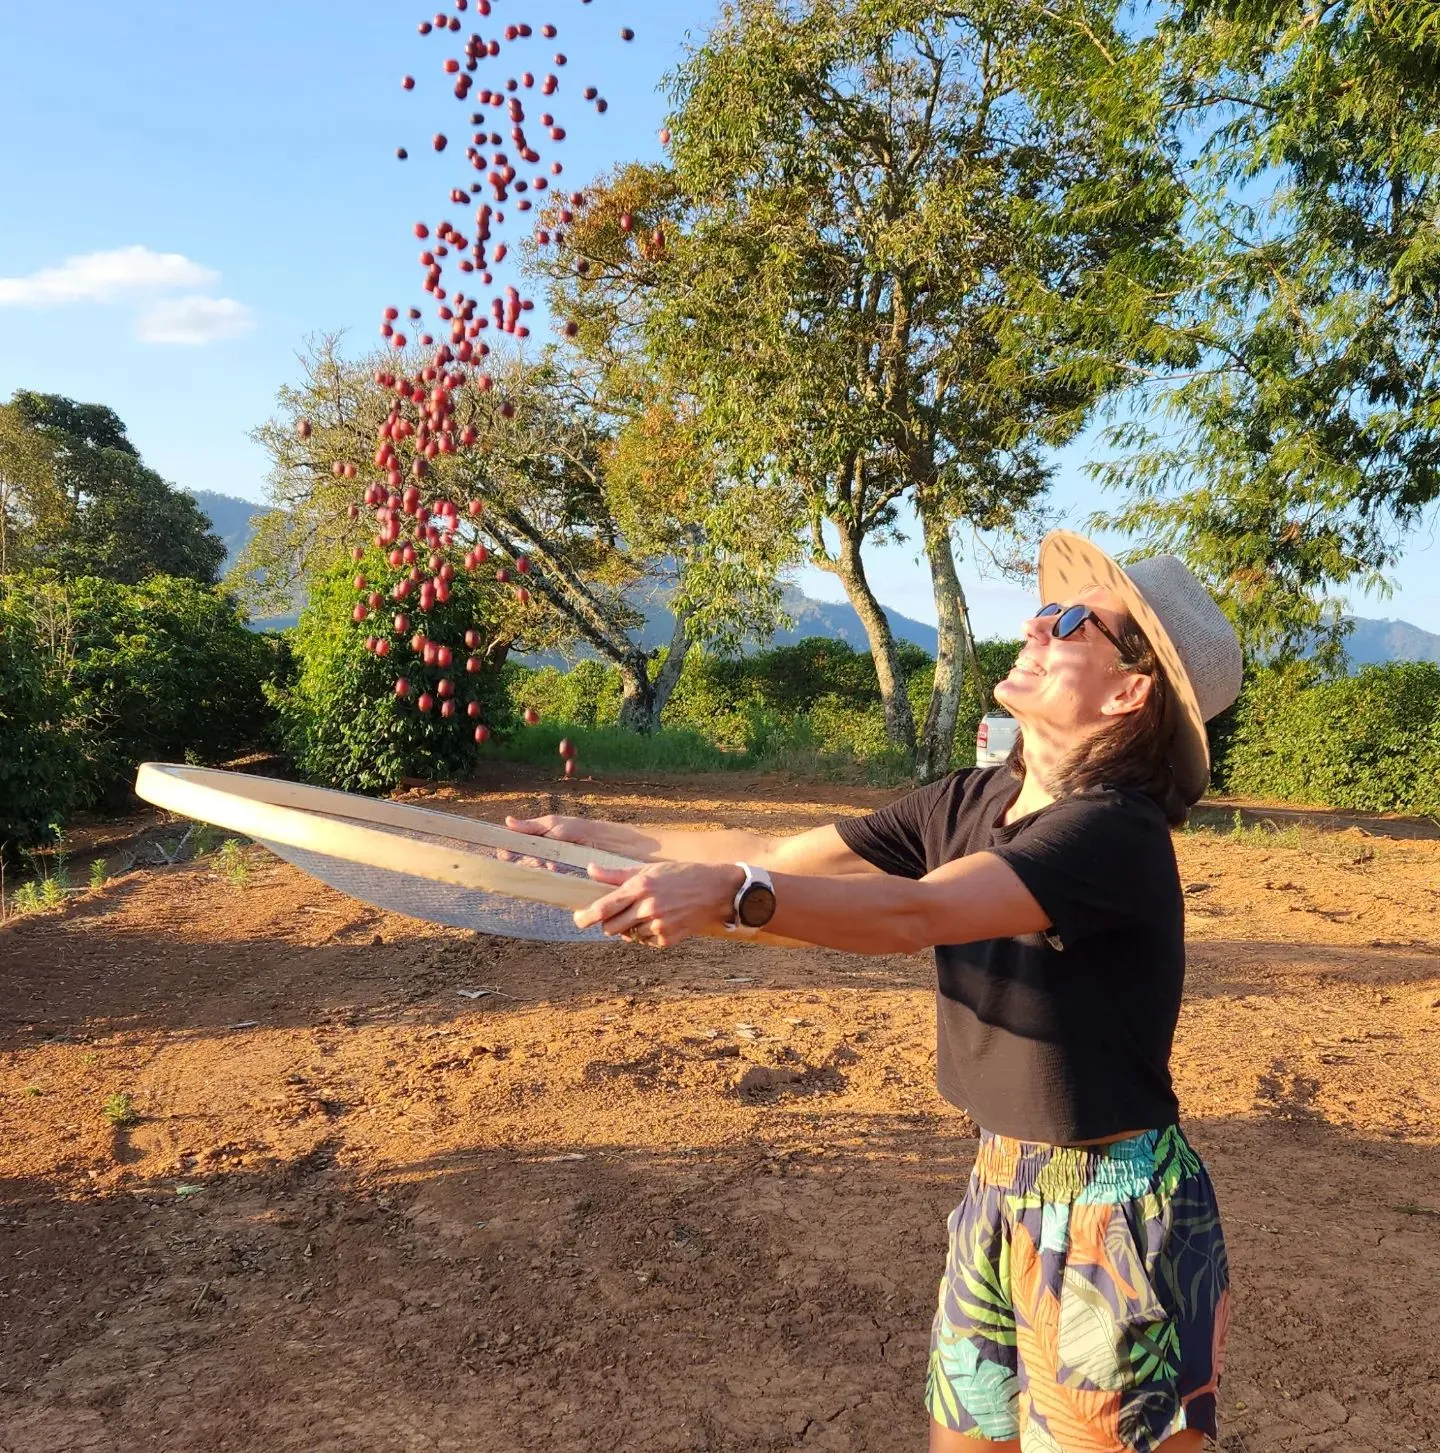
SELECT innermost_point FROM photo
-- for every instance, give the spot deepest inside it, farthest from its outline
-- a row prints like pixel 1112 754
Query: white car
pixel 993 739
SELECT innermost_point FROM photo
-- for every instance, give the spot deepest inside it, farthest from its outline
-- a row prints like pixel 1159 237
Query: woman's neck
pixel 1042 763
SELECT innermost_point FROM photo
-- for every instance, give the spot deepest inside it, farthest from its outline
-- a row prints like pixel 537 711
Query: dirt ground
pixel 642 1201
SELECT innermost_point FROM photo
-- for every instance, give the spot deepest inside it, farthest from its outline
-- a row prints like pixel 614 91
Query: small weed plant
pixel 233 862
pixel 119 1110
pixel 98 875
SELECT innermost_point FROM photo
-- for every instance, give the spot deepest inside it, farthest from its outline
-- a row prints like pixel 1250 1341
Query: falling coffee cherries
pixel 425 535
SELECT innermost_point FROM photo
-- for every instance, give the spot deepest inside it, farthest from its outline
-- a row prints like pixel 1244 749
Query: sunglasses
pixel 1069 619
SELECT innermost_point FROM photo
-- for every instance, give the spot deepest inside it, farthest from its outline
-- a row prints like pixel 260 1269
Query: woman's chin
pixel 1007 689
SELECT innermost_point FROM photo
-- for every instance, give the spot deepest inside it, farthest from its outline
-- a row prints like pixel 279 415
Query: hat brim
pixel 1070 565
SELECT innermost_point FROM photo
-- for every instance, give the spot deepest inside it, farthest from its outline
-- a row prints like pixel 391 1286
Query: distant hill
pixel 835 620
pixel 1369 643
pixel 1372 642
pixel 233 520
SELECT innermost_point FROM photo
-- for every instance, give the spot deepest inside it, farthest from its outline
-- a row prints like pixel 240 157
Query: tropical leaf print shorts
pixel 1085 1300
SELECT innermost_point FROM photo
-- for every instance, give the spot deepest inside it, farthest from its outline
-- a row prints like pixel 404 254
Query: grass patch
pixel 1264 833
pixel 610 749
pixel 1322 842
pixel 34 1091
pixel 119 1110
pixel 679 750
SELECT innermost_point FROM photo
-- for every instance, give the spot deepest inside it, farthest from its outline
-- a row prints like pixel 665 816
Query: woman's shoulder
pixel 1117 807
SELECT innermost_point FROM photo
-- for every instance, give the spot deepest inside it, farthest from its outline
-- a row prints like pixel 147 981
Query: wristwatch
pixel 754 903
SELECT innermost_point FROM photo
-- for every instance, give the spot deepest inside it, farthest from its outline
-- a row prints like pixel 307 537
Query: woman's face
pixel 1065 690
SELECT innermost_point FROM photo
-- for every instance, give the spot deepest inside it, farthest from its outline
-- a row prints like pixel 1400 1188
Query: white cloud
pixel 194 320
pixel 105 277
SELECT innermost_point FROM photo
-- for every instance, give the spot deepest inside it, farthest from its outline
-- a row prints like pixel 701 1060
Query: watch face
pixel 757 906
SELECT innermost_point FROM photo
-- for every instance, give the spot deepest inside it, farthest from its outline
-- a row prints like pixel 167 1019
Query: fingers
pixel 636 916
pixel 532 826
pixel 614 876
pixel 615 911
pixel 562 829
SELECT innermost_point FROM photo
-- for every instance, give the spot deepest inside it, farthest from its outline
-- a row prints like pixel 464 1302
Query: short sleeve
pixel 894 838
pixel 1094 863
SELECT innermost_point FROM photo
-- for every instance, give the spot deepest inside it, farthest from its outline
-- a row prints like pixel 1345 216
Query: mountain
pixel 838 620
pixel 835 620
pixel 232 519
pixel 1370 642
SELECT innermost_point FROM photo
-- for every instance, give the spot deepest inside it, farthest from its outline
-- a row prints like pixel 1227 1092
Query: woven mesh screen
pixel 419 897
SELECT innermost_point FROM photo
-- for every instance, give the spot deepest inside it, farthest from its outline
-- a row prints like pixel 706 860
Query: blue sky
pixel 191 190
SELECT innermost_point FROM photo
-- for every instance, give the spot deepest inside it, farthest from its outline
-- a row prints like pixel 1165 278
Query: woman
pixel 1085 1298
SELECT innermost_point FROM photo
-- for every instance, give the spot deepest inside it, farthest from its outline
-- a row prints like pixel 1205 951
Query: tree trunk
pixel 669 677
pixel 955 648
pixel 642 701
pixel 637 695
pixel 899 719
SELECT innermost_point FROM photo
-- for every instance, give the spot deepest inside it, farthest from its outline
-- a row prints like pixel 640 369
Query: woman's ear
pixel 1132 691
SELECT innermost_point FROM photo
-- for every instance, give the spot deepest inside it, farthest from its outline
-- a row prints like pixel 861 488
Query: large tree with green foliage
pixel 901 251
pixel 1302 446
pixel 33 510
pixel 598 515
pixel 75 496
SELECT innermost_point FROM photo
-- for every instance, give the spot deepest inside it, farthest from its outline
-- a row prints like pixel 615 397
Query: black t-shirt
pixel 1061 1036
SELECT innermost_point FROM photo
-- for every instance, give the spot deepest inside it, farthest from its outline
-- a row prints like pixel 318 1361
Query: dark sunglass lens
pixel 1071 620
pixel 1049 610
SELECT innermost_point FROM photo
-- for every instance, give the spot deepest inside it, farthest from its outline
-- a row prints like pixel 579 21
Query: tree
pixel 902 250
pixel 91 506
pixel 40 760
pixel 32 506
pixel 1302 446
pixel 594 523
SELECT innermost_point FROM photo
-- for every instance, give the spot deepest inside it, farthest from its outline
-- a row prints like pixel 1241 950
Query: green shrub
pixel 588 694
pixel 233 863
pixel 39 758
pixel 340 719
pixel 1369 742
pixel 165 670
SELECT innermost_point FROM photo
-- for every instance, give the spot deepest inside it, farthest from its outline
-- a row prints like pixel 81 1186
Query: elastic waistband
pixel 1154 1162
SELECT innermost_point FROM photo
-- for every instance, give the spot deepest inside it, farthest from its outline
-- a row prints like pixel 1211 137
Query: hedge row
pixel 1368 742
pixel 96 677
pixel 814 705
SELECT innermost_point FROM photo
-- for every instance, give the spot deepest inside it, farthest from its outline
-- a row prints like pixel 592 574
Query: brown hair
pixel 1135 751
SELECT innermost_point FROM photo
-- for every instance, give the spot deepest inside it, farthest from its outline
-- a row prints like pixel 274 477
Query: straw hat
pixel 1196 645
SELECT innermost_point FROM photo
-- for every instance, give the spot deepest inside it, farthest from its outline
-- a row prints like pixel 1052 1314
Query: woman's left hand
pixel 664 903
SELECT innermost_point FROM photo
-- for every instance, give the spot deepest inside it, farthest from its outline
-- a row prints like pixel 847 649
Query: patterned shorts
pixel 1085 1300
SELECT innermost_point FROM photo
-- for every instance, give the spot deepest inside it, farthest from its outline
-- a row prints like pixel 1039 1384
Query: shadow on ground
pixel 580 1299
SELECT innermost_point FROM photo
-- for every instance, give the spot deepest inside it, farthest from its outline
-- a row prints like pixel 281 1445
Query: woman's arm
pixel 820 852
pixel 975 897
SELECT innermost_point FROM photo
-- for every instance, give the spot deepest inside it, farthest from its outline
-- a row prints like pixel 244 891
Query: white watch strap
pixel 752 875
